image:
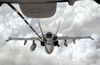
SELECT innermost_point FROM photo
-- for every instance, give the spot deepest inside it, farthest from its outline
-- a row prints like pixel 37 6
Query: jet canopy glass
pixel 49 35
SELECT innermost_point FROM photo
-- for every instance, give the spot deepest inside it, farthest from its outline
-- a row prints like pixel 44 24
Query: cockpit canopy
pixel 48 35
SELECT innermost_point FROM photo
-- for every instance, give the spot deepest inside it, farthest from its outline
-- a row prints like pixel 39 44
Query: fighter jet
pixel 38 8
pixel 48 40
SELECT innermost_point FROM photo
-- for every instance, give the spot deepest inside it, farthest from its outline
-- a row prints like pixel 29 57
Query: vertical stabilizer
pixel 41 30
pixel 58 28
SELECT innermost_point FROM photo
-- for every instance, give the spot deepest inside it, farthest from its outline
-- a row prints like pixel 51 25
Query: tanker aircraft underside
pixel 39 8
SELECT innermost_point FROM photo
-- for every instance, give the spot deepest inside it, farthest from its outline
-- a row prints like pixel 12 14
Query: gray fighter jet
pixel 48 40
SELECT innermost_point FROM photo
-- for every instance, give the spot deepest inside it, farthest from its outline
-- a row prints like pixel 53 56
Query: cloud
pixel 78 20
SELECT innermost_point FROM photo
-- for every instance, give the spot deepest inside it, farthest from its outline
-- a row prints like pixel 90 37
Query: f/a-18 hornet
pixel 48 40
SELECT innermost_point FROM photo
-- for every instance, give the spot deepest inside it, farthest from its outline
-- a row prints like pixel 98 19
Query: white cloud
pixel 80 19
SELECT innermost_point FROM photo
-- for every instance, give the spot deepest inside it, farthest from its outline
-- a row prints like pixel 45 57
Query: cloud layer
pixel 78 20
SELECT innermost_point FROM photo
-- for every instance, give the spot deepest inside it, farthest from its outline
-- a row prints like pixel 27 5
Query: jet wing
pixel 33 38
pixel 66 37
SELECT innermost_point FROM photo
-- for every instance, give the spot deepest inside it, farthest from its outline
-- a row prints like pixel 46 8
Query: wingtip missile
pixel 91 37
pixel 8 39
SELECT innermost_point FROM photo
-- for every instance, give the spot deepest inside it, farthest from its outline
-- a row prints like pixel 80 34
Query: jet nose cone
pixel 49 52
pixel 48 49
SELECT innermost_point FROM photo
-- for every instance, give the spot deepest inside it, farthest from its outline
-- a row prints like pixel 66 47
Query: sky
pixel 82 19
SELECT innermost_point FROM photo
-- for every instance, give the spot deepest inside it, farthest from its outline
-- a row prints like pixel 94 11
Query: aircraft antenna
pixel 58 28
pixel 23 18
pixel 41 29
